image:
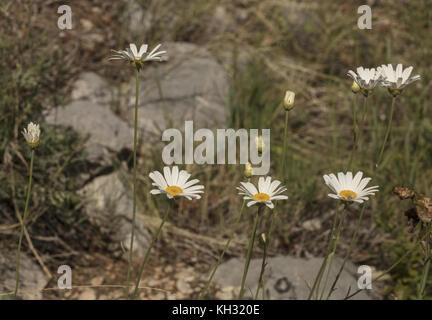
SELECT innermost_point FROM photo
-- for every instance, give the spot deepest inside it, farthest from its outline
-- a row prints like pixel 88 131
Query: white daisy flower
pixel 398 78
pixel 175 183
pixel 31 134
pixel 366 78
pixel 266 193
pixel 348 188
pixel 133 55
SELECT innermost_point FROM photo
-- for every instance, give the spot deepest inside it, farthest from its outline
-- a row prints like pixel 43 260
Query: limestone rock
pixel 190 85
pixel 109 206
pixel 105 131
pixel 286 277
pixel 32 278
pixel 90 86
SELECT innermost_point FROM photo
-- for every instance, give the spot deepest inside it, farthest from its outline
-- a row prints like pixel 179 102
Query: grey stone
pixel 286 277
pixel 312 224
pixel 32 278
pixel 92 87
pixel 105 131
pixel 109 206
pixel 139 20
pixel 190 85
pixel 87 294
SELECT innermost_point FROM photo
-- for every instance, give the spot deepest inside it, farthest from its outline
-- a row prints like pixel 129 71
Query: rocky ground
pixel 181 262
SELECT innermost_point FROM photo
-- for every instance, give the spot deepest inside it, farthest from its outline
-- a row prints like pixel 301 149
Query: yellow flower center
pixel 261 197
pixel 174 190
pixel 348 195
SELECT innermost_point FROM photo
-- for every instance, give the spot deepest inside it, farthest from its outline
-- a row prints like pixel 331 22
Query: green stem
pixel 323 264
pixel 332 254
pixel 394 265
pixel 134 184
pixel 249 251
pixel 155 237
pixel 261 276
pixel 266 245
pixel 355 133
pixel 285 145
pixel 421 291
pixel 24 221
pixel 389 126
pixel 223 252
pixel 353 240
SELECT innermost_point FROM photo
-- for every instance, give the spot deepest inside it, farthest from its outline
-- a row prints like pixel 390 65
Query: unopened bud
pixel 248 170
pixel 289 100
pixel 263 238
pixel 355 88
pixel 259 143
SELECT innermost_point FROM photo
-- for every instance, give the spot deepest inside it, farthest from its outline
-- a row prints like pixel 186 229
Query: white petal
pixel 183 177
pixel 251 203
pixel 269 204
pixel 157 177
pixel 274 185
pixel 261 184
pixel 279 198
pixel 406 73
pixel 357 179
pixel 142 50
pixel 167 174
pixel 341 179
pixel 154 50
pixel 133 48
pixel 250 187
pixel 174 175
pixel 363 184
pixel 190 183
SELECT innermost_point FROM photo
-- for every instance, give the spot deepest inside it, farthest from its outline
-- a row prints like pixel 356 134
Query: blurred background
pixel 228 65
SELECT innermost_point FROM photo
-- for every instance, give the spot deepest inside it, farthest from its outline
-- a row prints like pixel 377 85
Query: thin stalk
pixel 134 184
pixel 332 254
pixel 323 264
pixel 355 133
pixel 360 132
pixel 422 287
pixel 389 126
pixel 264 263
pixel 353 240
pixel 284 145
pixel 261 276
pixel 155 237
pixel 249 251
pixel 223 252
pixel 394 265
pixel 23 222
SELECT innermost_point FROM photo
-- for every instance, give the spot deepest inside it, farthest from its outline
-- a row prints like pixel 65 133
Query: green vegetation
pixel 309 56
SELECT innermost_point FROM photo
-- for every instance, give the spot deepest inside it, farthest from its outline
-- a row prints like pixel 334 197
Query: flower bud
pixel 248 170
pixel 263 238
pixel 31 134
pixel 259 143
pixel 355 88
pixel 289 100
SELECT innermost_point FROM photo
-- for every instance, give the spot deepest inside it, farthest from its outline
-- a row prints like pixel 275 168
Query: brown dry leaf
pixel 404 192
pixel 424 208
